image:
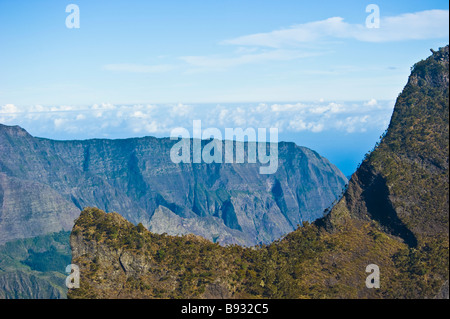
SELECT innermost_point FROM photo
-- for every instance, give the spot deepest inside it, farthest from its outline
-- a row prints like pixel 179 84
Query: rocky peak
pixel 13 131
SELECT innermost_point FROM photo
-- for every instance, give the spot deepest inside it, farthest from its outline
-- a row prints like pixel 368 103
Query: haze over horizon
pixel 314 71
pixel 342 132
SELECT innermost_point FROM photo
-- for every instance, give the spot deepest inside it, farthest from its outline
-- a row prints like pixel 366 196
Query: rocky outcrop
pixel 444 292
pixel 120 260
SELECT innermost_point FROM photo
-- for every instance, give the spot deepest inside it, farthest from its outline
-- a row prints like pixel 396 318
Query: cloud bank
pixel 120 121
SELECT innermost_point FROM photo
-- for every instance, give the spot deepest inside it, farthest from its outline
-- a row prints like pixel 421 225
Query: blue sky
pixel 266 63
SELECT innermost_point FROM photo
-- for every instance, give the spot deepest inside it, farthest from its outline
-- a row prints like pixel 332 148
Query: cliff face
pixel 394 214
pixel 44 184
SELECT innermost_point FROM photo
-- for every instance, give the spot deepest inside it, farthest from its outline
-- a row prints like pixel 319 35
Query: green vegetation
pixel 308 263
pixel 39 260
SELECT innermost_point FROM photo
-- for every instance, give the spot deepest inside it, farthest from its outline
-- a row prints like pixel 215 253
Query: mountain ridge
pixel 135 176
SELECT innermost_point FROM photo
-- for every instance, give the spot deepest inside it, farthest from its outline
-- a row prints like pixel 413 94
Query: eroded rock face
pixel 44 184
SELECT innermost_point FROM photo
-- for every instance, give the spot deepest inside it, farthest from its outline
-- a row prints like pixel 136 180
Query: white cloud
pixel 180 110
pixel 371 102
pixel 223 115
pixel 307 32
pixel 59 122
pixel 139 115
pixel 239 117
pixel 286 44
pixel 352 124
pixel 105 120
pixel 9 109
pixel 287 107
pixel 297 125
pixel 318 127
pixel 428 24
pixel 103 106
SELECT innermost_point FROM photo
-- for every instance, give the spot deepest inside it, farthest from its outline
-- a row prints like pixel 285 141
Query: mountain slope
pixel 394 214
pixel 44 184
pixel 409 168
pixel 34 268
